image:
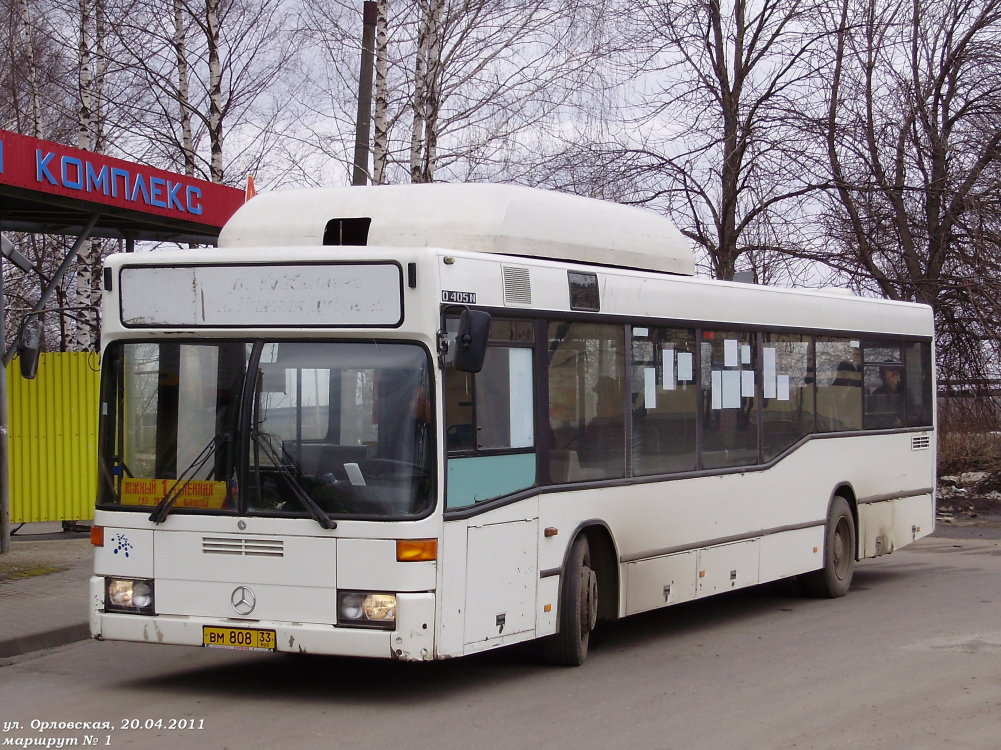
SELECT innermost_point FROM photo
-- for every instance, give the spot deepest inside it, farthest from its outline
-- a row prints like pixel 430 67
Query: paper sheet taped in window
pixel 730 352
pixel 650 387
pixel 685 367
pixel 783 388
pixel 669 382
pixel 731 389
pixel 768 372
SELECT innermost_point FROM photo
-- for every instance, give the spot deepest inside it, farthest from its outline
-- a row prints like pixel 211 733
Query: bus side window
pixel 729 434
pixel 917 381
pixel 489 420
pixel 664 401
pixel 883 382
pixel 460 432
pixel 839 384
pixel 587 389
pixel 494 409
pixel 787 392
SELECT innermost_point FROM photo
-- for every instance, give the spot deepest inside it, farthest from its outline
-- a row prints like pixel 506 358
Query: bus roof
pixel 481 217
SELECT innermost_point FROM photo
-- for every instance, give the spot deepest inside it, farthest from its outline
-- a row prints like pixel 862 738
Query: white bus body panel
pixel 699 509
pixel 490 589
pixel 660 581
pixel 501 575
pixel 889 524
pixel 658 296
pixel 658 526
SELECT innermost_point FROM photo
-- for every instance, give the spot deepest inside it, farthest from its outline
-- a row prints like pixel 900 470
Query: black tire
pixel 835 578
pixel 578 609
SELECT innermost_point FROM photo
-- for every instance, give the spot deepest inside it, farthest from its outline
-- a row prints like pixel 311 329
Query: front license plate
pixel 245 638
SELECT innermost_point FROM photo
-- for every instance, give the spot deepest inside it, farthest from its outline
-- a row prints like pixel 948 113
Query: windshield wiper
pixel 174 491
pixel 263 441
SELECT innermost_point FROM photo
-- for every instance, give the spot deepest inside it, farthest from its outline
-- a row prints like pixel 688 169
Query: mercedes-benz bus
pixel 417 422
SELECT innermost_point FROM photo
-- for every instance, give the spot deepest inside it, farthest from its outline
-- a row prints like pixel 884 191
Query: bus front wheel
pixel 578 609
pixel 835 578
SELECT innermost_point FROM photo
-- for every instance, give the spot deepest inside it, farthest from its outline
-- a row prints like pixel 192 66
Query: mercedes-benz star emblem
pixel 243 600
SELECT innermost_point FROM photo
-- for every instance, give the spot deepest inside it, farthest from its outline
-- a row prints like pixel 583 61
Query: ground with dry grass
pixel 969 471
pixel 28 559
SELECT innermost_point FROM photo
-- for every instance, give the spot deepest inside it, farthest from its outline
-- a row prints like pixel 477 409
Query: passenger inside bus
pixel 885 408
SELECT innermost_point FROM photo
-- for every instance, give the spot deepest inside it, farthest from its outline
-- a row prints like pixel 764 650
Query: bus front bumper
pixel 412 640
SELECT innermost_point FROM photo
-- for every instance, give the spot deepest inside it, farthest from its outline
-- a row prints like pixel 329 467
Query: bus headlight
pixel 132 595
pixel 366 609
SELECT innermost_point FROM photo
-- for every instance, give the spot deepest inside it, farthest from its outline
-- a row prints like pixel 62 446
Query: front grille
pixel 249 547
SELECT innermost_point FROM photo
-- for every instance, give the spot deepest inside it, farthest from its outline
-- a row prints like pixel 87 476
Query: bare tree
pixel 459 83
pixel 209 83
pixel 913 138
pixel 710 121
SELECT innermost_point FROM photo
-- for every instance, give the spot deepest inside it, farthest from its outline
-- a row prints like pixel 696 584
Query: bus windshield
pixel 287 428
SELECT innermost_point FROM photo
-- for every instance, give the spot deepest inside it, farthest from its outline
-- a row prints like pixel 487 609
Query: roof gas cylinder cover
pixel 479 217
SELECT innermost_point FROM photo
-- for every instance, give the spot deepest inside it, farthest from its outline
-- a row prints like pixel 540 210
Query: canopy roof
pixel 49 188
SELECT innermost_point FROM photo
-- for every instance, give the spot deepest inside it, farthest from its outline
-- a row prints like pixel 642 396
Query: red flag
pixel 251 190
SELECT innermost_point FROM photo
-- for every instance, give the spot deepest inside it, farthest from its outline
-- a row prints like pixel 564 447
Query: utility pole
pixel 4 443
pixel 363 121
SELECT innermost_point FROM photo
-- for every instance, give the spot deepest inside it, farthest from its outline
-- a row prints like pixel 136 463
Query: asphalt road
pixel 911 658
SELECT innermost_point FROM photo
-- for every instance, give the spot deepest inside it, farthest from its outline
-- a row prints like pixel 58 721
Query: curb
pixel 48 639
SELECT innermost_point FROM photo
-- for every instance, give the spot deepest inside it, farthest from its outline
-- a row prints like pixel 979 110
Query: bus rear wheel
pixel 578 609
pixel 835 578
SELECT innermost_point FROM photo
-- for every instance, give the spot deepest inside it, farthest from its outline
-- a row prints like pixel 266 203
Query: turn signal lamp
pixel 416 550
pixel 97 536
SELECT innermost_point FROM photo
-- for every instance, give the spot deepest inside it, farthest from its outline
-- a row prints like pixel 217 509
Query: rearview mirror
pixel 471 340
pixel 29 346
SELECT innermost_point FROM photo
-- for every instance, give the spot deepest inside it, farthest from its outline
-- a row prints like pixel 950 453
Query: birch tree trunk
pixel 380 141
pixel 90 74
pixel 427 92
pixel 85 117
pixel 183 89
pixel 419 103
pixel 29 49
pixel 432 105
pixel 215 90
pixel 463 89
pixel 97 142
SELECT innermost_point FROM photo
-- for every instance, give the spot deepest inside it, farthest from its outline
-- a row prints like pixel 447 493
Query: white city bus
pixel 418 422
